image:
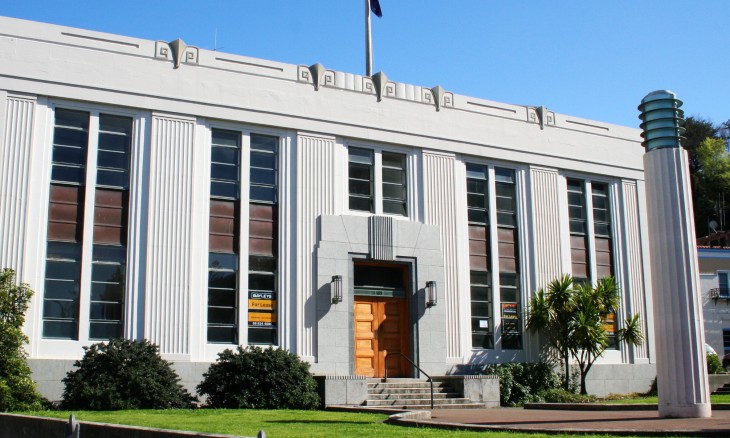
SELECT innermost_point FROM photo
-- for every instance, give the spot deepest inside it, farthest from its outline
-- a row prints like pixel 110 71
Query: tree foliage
pixel 256 378
pixel 521 383
pixel 573 320
pixel 123 374
pixel 17 389
pixel 708 165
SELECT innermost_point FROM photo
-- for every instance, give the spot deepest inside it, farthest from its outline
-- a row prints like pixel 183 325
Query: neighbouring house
pixel 713 255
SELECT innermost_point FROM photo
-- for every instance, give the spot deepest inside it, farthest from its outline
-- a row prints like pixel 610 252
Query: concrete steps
pixel 415 394
pixel 725 389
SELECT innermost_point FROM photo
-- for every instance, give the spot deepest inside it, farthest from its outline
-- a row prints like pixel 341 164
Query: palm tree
pixel 573 318
pixel 550 312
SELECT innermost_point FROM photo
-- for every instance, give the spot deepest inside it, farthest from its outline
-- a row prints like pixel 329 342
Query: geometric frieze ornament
pixel 316 74
pixel 382 237
pixel 381 86
pixel 177 51
pixel 441 97
pixel 540 115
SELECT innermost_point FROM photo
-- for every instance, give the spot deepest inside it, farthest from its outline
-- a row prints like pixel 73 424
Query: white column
pixel 678 324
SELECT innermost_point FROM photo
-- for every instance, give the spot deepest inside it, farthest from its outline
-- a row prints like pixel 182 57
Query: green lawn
pixel 717 398
pixel 276 424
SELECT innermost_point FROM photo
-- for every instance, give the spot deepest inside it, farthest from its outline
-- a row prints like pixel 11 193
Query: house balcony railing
pixel 720 293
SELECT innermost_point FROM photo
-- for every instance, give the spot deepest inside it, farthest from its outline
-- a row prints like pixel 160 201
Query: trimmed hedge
pixel 256 378
pixel 124 374
pixel 521 383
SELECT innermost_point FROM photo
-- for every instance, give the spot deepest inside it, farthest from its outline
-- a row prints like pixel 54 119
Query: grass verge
pixel 276 423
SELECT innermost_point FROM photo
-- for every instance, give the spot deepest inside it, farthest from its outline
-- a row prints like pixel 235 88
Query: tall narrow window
pixel 63 284
pixel 482 322
pixel 604 249
pixel 224 236
pixel 263 238
pixel 579 249
pixel 394 183
pixel 109 257
pixel 65 225
pixel 509 266
pixel 361 177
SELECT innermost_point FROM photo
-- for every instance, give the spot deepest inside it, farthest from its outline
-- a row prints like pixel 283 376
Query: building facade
pixel 204 200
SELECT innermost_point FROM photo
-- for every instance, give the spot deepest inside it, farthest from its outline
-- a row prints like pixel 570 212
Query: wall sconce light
pixel 336 289
pixel 431 295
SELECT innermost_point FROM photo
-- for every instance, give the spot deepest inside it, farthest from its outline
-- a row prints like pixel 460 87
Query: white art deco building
pixel 201 200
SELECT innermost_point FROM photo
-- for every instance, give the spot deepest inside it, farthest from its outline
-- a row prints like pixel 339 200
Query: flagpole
pixel 368 42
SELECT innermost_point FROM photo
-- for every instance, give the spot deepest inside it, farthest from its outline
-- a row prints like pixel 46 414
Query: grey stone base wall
pixel 604 379
pixel 342 390
pixel 483 389
pixel 49 373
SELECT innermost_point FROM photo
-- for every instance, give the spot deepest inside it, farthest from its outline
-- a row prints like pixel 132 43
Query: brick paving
pixel 645 423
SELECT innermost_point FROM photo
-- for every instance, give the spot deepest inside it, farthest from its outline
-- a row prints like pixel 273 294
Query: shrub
pixel 17 389
pixel 123 374
pixel 559 395
pixel 521 383
pixel 714 365
pixel 257 378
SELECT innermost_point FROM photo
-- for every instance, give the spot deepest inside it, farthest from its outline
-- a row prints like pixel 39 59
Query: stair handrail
pixel 385 379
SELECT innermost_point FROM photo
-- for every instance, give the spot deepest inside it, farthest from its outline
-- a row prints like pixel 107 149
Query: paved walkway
pixel 645 423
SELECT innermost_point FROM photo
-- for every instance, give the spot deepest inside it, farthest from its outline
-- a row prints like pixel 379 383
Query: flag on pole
pixel 375 7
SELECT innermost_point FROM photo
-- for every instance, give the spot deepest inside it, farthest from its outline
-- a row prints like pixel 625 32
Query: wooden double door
pixel 381 328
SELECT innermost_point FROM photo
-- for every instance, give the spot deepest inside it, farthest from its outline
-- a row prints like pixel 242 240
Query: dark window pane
pixel 506 219
pixel 112 178
pixel 113 142
pixel 223 334
pixel 263 176
pixel 602 229
pixel 221 315
pixel 113 159
pixel 578 227
pixel 69 155
pixel 479 308
pixel 222 279
pixel 107 292
pixel 482 340
pixel 224 171
pixel 224 189
pixel 106 311
pixel 222 298
pixel 475 186
pixel 60 309
pixel 476 201
pixel 263 160
pixel 63 270
pixel 511 342
pixel 107 273
pixel 263 336
pixel 358 187
pixel 61 289
pixel 105 330
pixel 109 253
pixel 479 277
pixel 64 250
pixel 483 325
pixel 68 174
pixel 506 204
pixel 394 160
pixel 70 137
pixel 256 263
pixel 394 207
pixel 504 175
pixel 361 204
pixel 480 293
pixel 224 155
pixel 218 260
pixel 478 216
pixel 476 171
pixel 264 143
pixel 60 329
pixel 358 171
pixel 394 191
pixel 263 194
pixel 226 138
pixel 261 282
pixel 395 176
pixel 362 156
pixel 116 124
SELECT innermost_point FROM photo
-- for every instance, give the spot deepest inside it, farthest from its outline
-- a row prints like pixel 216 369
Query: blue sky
pixel 592 59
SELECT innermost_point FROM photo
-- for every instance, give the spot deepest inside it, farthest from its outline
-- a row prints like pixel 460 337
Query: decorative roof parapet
pixel 178 52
